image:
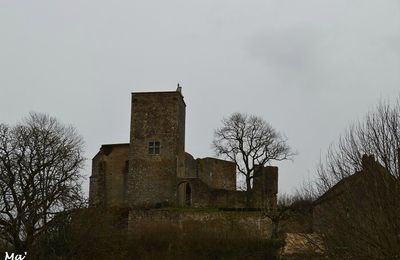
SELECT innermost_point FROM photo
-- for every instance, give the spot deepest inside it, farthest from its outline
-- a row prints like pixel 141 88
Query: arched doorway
pixel 184 194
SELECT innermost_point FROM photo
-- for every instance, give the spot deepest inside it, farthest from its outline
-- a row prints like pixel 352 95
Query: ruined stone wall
pixel 265 187
pixel 228 199
pixel 229 223
pixel 216 173
pixel 109 173
pixel 200 193
pixel 190 167
pixel 202 196
pixel 97 183
pixel 155 116
pixel 215 188
pixel 129 175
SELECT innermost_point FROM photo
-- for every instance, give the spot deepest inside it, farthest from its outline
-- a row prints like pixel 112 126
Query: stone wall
pixel 216 173
pixel 200 193
pixel 190 167
pixel 228 223
pixel 97 183
pixel 228 199
pixel 156 116
pixel 265 187
pixel 109 173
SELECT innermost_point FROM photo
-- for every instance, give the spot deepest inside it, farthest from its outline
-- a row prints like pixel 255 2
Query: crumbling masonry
pixel 153 170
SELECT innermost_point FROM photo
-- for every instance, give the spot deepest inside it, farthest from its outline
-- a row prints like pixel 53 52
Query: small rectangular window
pixel 154 147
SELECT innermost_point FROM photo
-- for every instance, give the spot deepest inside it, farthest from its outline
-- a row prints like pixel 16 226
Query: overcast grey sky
pixel 308 67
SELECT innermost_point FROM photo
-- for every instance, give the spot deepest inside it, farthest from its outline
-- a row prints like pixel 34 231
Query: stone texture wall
pixel 109 173
pixel 217 174
pixel 155 116
pixel 229 223
pixel 227 199
pixel 215 185
pixel 190 167
pixel 265 187
pixel 109 182
pixel 200 193
pixel 97 183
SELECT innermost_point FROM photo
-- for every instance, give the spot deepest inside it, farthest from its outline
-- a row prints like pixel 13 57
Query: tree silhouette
pixel 249 141
pixel 40 163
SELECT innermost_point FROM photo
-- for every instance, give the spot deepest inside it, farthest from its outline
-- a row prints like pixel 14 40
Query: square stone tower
pixel 157 147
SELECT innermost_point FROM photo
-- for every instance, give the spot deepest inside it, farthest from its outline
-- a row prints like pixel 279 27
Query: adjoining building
pixel 369 195
pixel 153 169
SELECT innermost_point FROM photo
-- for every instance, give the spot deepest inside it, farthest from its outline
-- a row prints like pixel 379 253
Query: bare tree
pixel 40 163
pixel 378 134
pixel 249 141
pixel 359 207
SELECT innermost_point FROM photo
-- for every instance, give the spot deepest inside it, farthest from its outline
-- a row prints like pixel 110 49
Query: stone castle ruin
pixel 154 170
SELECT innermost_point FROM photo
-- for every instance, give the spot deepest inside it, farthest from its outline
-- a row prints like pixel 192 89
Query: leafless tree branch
pixel 40 164
pixel 249 141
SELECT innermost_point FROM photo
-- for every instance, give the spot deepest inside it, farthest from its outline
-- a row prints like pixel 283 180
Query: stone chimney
pixel 367 161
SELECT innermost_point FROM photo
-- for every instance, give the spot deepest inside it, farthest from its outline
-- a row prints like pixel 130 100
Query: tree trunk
pixel 248 193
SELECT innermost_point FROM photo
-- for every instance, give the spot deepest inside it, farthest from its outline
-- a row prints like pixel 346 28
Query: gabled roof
pixel 370 168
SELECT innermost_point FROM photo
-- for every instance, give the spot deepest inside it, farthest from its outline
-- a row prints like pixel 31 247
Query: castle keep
pixel 153 169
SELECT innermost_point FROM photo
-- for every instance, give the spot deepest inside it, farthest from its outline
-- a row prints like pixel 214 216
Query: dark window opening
pixel 188 196
pixel 154 147
pixel 184 194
